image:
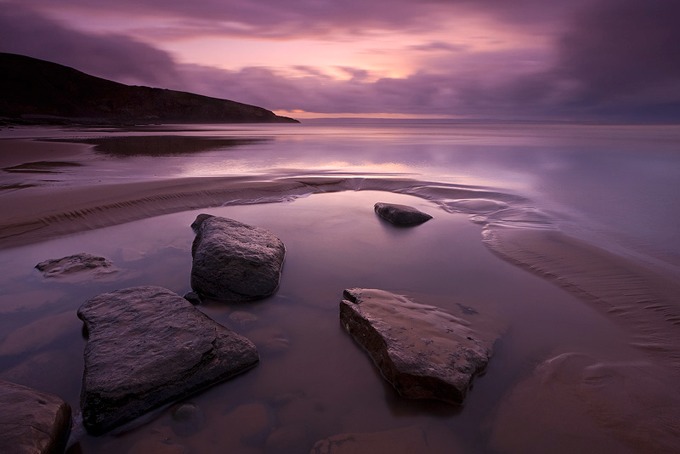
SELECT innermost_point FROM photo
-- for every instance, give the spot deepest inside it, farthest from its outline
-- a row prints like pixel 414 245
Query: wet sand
pixel 592 360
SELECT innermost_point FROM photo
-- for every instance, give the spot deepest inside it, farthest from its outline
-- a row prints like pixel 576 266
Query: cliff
pixel 35 91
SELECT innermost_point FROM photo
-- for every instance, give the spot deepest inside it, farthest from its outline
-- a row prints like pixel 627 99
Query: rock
pixel 406 441
pixel 187 419
pixel 287 439
pixel 401 215
pixel 270 339
pixel 147 347
pixel 158 441
pixel 243 318
pixel 32 421
pixel 193 298
pixel 76 264
pixel 423 351
pixel 250 420
pixel 234 261
pixel 581 403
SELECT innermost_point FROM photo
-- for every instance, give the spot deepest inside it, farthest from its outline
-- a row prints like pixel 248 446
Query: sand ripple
pixel 644 301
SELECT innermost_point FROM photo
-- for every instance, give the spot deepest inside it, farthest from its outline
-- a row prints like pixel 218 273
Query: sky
pixel 576 60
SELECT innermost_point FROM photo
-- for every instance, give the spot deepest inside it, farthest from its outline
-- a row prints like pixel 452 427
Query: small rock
pixel 243 318
pixel 158 441
pixel 287 439
pixel 187 419
pixel 193 298
pixel 423 351
pixel 147 347
pixel 234 261
pixel 32 421
pixel 401 215
pixel 251 420
pixel 77 264
pixel 271 340
pixel 398 441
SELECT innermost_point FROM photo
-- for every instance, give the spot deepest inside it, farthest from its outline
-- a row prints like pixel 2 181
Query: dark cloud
pixel 276 18
pixel 623 52
pixel 440 46
pixel 615 60
pixel 112 56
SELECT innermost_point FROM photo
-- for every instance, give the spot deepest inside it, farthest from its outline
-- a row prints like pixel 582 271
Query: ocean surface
pixel 567 235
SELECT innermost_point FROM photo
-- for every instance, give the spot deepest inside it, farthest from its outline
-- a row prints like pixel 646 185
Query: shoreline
pixel 43 212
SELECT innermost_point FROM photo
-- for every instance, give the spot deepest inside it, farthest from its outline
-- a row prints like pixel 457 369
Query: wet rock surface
pixel 32 421
pixel 77 264
pixel 401 215
pixel 147 347
pixel 423 351
pixel 233 261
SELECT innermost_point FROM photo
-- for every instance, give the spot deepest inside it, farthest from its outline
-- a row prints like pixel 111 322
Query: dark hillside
pixel 35 91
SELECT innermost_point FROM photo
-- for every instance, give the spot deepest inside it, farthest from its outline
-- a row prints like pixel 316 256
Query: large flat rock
pixel 32 421
pixel 233 261
pixel 423 351
pixel 148 346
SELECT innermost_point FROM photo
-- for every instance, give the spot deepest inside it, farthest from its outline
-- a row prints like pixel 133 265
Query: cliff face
pixel 35 91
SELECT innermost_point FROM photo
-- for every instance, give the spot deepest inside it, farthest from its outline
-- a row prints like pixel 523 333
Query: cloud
pixel 597 59
pixel 115 57
pixel 439 46
pixel 615 60
pixel 623 51
pixel 298 18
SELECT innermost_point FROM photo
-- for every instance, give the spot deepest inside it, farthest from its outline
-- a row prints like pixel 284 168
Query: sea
pixel 574 366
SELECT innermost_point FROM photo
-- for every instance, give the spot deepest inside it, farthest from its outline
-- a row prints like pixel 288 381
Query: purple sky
pixel 520 59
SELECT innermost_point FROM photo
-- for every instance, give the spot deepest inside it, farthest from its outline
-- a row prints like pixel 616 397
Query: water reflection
pixel 152 145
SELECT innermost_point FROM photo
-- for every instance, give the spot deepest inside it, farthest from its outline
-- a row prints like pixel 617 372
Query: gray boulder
pixel 32 421
pixel 234 261
pixel 423 351
pixel 401 215
pixel 147 347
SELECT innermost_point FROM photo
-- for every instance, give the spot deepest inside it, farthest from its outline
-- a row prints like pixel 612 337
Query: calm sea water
pixel 615 186
pixel 616 183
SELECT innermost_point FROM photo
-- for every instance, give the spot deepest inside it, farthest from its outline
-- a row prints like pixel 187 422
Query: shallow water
pixel 613 184
pixel 602 184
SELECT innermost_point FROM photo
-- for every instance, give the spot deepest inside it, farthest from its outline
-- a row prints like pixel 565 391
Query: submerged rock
pixel 76 264
pixel 32 421
pixel 406 440
pixel 147 347
pixel 234 261
pixel 401 215
pixel 423 351
pixel 604 406
pixel 187 419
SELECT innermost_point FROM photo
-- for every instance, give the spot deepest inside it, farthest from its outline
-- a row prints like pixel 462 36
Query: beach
pixel 565 236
